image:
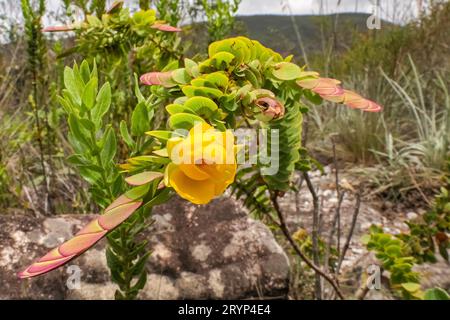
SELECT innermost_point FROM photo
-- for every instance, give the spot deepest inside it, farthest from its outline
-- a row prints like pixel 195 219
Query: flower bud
pixel 270 108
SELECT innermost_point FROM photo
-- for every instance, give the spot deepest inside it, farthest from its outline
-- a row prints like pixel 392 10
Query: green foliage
pixel 14 135
pixel 95 145
pixel 241 79
pixel 255 195
pixel 112 36
pixel 429 233
pixel 220 16
pixel 436 294
pixel 93 140
pixel 170 10
pixel 305 243
pixel 37 67
pixel 399 253
pixel 289 130
pixel 395 257
pixel 122 44
pixel 126 258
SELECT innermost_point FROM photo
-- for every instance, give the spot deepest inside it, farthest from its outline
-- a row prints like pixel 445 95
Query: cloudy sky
pixel 389 9
pixel 392 10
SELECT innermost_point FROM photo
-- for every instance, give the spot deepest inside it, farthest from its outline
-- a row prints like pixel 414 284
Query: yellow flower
pixel 202 165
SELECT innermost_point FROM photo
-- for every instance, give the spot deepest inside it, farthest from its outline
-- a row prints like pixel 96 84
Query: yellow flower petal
pixel 200 127
pixel 198 192
pixel 221 172
pixel 171 144
pixel 194 172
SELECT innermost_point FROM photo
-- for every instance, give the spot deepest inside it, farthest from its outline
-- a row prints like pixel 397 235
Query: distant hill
pixel 277 31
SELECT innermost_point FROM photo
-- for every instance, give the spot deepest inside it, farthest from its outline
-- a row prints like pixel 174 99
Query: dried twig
pixel 350 233
pixel 315 232
pixel 333 230
pixel 338 191
pixel 297 250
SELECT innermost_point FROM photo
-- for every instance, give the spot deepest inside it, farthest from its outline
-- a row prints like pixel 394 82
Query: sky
pixel 392 10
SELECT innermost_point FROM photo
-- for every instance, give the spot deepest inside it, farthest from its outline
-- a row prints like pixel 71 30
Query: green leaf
pixel 411 286
pixel 177 108
pixel 140 120
pixel 90 175
pixel 103 102
pixel 163 135
pixel 202 106
pixel 311 96
pixel 184 121
pixel 71 85
pixel 67 106
pixel 151 159
pixel 436 294
pixel 90 93
pixel 77 133
pixel 94 72
pixel 191 67
pixel 87 124
pixel 93 21
pixel 139 266
pixel 219 79
pixel 143 178
pixel 140 284
pixel 393 250
pixel 160 198
pixel 286 71
pixel 191 91
pixel 138 192
pixel 85 71
pixel 181 76
pixel 112 260
pixel 126 135
pixel 77 160
pixel 137 90
pixel 222 60
pixel 109 147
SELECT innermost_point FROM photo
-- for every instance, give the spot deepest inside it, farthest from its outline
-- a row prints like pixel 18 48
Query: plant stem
pixel 350 233
pixel 315 234
pixel 296 248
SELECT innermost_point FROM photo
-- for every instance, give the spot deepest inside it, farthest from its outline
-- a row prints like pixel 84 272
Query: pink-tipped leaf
pixel 120 210
pixel 158 79
pixel 165 27
pixel 330 90
pixel 58 29
pixel 355 101
pixel 143 178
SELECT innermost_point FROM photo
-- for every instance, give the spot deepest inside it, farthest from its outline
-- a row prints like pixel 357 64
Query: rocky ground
pixel 299 210
pixel 214 251
pixel 198 252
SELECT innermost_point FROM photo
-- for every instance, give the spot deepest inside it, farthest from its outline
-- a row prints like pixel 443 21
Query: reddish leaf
pixel 165 27
pixel 143 178
pixel 58 29
pixel 158 79
pixel 114 215
pixel 355 101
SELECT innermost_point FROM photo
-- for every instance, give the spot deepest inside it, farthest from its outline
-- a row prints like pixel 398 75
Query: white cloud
pixel 394 10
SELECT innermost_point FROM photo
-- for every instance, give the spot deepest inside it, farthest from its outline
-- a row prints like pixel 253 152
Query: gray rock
pixel 198 252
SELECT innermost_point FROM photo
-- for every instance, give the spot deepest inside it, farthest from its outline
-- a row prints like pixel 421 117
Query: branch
pixel 296 248
pixel 350 233
pixel 315 232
